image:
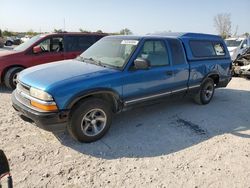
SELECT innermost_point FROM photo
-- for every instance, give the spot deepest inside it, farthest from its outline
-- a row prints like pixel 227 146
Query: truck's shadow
pixel 4 89
pixel 170 127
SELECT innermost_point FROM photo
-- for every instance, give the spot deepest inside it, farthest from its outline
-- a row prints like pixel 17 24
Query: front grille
pixel 22 100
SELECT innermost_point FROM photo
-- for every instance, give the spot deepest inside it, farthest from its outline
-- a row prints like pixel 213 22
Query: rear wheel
pixel 206 92
pixel 90 120
pixel 10 78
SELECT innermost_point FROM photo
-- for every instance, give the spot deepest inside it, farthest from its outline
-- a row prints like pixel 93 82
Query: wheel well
pixel 8 68
pixel 108 97
pixel 215 78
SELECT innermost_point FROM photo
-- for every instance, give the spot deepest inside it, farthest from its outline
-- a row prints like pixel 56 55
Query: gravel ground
pixel 173 144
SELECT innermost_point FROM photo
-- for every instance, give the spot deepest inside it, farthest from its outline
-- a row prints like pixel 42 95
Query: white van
pixel 237 46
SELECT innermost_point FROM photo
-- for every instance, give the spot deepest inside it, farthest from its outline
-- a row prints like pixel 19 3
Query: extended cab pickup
pixel 118 72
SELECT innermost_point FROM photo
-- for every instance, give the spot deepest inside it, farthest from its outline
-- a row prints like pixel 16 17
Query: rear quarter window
pixel 176 51
pixel 207 48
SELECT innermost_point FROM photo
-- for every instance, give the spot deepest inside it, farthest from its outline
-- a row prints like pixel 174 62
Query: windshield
pixel 233 43
pixel 28 43
pixel 113 52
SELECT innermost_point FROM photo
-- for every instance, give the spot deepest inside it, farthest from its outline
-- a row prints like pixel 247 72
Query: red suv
pixel 41 49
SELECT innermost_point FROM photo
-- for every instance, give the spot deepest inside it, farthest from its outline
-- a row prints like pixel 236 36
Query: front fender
pixel 83 94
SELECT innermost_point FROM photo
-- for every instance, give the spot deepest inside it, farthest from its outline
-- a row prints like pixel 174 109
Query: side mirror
pixel 4 165
pixel 244 46
pixel 37 49
pixel 141 64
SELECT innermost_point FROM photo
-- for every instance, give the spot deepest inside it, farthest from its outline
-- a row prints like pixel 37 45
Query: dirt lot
pixel 172 144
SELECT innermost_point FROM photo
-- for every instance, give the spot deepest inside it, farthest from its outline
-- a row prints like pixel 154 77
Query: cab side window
pixel 155 51
pixel 176 51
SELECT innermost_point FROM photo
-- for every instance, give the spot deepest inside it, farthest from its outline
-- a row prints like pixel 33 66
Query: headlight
pixel 39 94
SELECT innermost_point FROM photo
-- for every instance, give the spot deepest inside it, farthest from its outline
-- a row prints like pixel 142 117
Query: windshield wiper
pixel 79 58
pixel 94 61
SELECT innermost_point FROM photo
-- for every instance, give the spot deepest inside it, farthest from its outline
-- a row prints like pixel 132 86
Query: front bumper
pixel 50 121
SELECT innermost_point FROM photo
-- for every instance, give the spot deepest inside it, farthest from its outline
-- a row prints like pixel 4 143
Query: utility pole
pixel 63 24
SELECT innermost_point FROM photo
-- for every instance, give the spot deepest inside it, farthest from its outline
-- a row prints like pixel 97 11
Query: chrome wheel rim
pixel 208 92
pixel 93 122
pixel 15 79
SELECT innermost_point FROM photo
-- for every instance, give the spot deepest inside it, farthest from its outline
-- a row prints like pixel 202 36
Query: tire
pixel 10 78
pixel 8 43
pixel 206 92
pixel 89 116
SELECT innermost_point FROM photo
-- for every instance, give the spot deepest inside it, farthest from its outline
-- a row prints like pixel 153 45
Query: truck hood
pixel 48 75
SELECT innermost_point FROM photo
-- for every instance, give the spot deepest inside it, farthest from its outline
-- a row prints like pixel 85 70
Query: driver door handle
pixel 169 73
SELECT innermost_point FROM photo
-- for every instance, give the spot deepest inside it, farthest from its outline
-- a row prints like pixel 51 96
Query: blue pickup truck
pixel 118 72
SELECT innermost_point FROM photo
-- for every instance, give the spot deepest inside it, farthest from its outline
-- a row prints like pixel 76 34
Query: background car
pixel 237 46
pixel 43 49
pixel 25 38
pixel 12 41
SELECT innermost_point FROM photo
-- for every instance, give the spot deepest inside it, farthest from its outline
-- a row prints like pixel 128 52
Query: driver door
pixel 155 81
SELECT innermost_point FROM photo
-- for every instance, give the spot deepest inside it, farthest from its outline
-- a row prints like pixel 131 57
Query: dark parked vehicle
pixel 12 41
pixel 116 73
pixel 43 49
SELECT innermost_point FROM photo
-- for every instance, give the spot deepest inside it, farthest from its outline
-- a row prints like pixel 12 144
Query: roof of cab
pixel 194 35
pixel 170 35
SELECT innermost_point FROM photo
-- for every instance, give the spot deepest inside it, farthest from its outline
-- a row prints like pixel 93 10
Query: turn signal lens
pixel 44 107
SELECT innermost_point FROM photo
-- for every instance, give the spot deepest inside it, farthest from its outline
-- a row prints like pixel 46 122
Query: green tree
pixel 7 33
pixel 84 31
pixel 99 31
pixel 1 33
pixel 247 34
pixel 126 31
pixel 31 33
pixel 58 30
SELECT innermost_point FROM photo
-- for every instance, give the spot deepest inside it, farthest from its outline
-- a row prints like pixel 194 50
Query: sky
pixel 140 16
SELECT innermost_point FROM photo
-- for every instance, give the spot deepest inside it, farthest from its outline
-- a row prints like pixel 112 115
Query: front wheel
pixel 206 92
pixel 8 43
pixel 90 120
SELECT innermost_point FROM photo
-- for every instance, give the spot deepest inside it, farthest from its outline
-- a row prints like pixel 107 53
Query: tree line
pixel 6 33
